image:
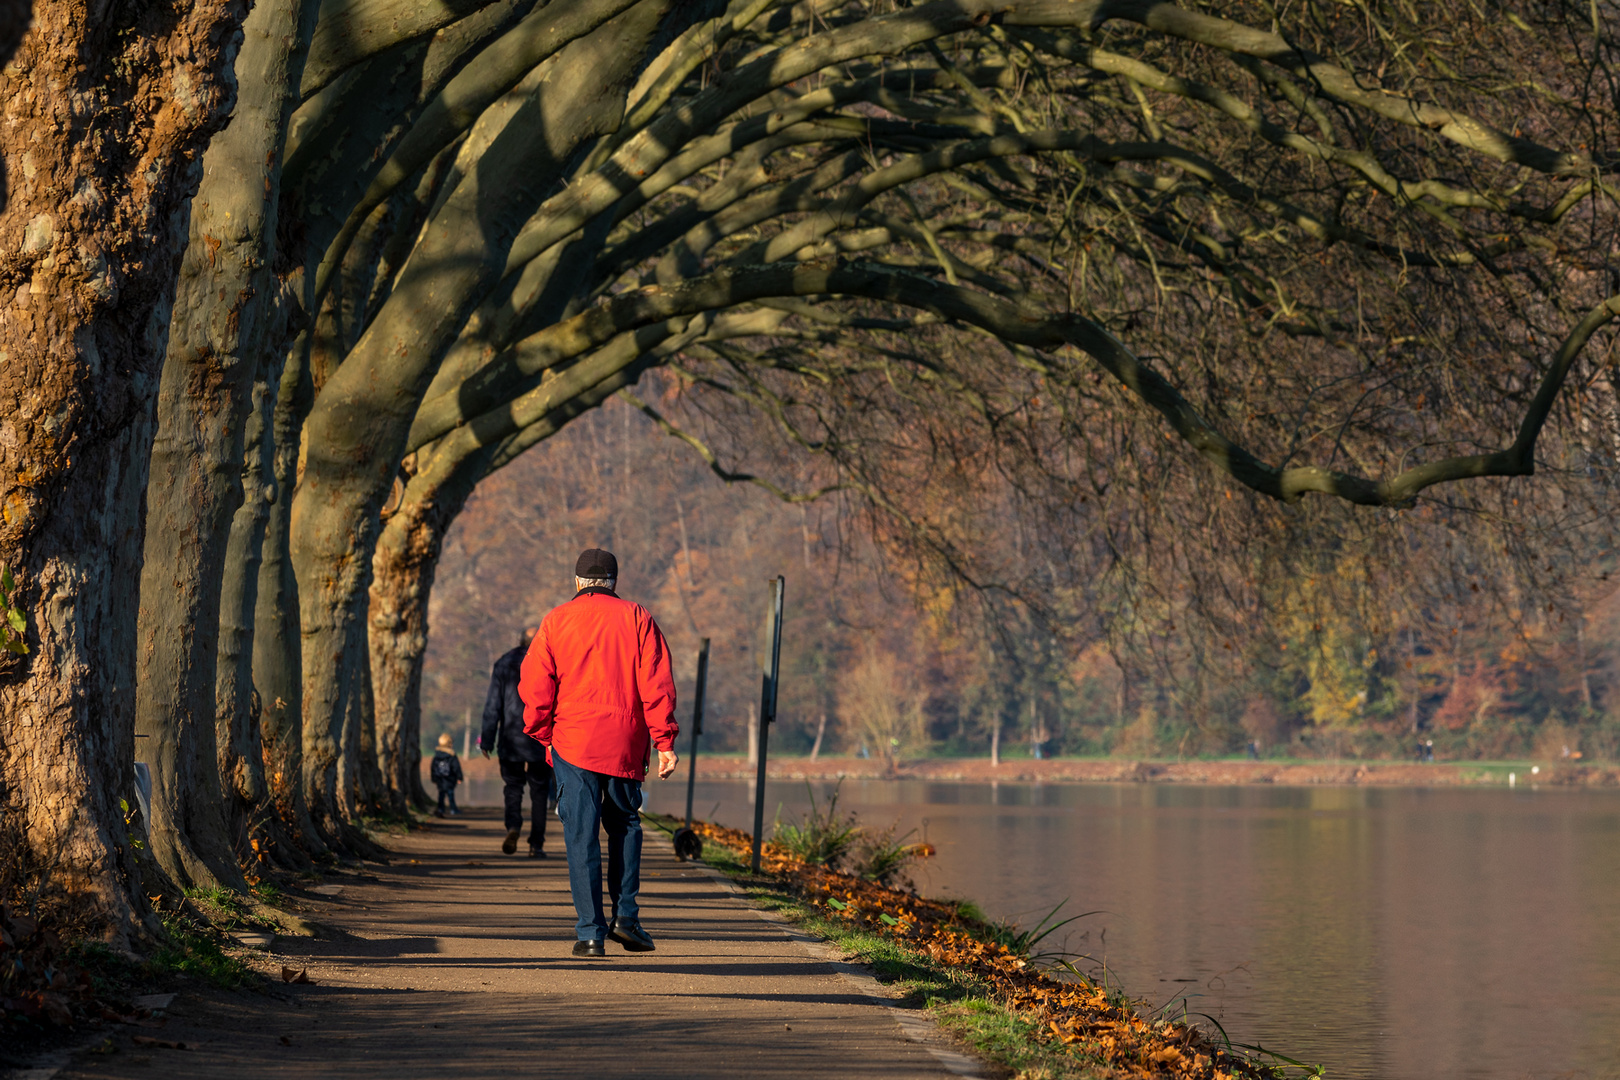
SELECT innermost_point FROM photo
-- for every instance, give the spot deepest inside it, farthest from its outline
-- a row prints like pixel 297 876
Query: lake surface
pixel 1390 933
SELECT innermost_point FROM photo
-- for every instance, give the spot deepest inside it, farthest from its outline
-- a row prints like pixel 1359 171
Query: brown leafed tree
pixel 942 249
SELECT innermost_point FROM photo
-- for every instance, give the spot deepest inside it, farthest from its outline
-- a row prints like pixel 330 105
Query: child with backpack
pixel 446 774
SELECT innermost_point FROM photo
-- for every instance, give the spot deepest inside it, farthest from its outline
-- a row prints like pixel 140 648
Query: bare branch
pixel 714 462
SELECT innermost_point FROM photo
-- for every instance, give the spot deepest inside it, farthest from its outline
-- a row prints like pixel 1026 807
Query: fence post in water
pixel 767 702
pixel 697 725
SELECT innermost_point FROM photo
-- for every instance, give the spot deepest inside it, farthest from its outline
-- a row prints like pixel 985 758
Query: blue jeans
pixel 588 801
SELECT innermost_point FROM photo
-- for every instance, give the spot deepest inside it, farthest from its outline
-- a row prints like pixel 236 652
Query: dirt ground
pixel 455 961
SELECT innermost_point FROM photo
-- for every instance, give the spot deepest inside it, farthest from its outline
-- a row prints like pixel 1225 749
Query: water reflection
pixel 1397 933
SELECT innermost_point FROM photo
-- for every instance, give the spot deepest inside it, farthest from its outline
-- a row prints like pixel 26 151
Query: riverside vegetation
pixel 1360 687
pixel 1017 1001
pixel 1194 341
pixel 1195 371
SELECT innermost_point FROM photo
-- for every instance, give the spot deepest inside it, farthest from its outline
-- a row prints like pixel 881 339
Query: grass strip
pixel 960 969
pixel 193 947
pixel 958 1002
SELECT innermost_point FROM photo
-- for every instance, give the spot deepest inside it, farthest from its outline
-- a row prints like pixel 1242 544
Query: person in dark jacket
pixel 522 760
pixel 446 774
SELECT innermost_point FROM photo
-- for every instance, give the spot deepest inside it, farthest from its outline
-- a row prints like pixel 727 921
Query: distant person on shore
pixel 446 774
pixel 598 693
pixel 522 760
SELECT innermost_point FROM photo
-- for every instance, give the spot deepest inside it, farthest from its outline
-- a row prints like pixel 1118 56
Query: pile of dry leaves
pixel 1094 1024
pixel 37 984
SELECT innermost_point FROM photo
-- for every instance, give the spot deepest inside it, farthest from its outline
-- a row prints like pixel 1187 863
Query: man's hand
pixel 667 760
pixel 483 751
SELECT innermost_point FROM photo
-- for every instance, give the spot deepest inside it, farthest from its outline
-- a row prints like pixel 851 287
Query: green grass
pixel 220 900
pixel 822 838
pixel 952 998
pixel 387 824
pixel 193 950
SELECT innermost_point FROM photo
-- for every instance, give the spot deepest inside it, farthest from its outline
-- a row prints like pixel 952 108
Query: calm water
pixel 1396 933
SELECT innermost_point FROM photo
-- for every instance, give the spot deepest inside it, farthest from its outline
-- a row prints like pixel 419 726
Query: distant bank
pixel 1124 770
pixel 1127 770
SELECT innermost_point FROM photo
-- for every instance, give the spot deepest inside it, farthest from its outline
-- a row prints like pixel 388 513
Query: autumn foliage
pixel 1095 1024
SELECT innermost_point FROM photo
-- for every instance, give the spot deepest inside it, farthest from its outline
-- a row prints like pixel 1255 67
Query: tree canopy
pixel 953 259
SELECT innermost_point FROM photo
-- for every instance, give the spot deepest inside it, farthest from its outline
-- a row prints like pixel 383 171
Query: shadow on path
pixel 456 961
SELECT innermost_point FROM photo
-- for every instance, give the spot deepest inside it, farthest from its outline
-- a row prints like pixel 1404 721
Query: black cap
pixel 596 563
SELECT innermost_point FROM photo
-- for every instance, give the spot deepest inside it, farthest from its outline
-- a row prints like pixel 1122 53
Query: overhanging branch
pixel 713 461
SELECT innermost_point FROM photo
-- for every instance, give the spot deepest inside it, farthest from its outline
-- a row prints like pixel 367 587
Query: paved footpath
pixel 455 961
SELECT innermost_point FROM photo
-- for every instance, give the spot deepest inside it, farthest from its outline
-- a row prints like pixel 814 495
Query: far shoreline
pixel 1288 773
pixel 1224 772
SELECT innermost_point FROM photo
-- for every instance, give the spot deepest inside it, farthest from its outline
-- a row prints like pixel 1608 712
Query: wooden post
pixel 821 729
pixel 697 725
pixel 767 704
pixel 995 741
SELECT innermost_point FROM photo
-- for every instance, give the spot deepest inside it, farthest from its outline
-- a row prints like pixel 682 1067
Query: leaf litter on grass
pixel 1094 1022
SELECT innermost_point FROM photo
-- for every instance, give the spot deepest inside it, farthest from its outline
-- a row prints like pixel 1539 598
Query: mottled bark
pixel 357 429
pixel 106 111
pixel 352 31
pixel 277 665
pixel 251 822
pixel 373 791
pixel 225 293
pixel 403 566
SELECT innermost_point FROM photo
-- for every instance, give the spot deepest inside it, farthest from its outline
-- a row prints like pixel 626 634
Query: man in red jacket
pixel 596 688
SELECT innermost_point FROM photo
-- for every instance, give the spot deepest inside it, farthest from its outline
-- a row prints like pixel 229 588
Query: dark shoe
pixel 537 853
pixel 592 949
pixel 438 813
pixel 509 845
pixel 631 936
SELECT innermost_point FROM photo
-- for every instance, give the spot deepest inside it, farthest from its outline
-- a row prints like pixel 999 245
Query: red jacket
pixel 596 682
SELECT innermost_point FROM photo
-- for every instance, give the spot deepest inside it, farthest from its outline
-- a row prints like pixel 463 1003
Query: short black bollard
pixel 688 844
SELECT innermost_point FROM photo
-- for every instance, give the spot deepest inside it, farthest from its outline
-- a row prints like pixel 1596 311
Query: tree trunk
pixel 373 796
pixel 225 293
pixel 401 583
pixel 250 818
pixel 362 418
pixel 1585 683
pixel 106 113
pixel 406 559
pixel 277 663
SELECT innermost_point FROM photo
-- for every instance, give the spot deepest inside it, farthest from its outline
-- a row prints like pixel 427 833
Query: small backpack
pixel 443 767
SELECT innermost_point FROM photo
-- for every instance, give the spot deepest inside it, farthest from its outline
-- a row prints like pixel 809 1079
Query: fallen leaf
pixel 54 1007
pixel 288 975
pixel 161 1044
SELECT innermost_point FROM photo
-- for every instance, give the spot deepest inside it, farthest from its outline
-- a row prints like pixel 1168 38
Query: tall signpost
pixel 772 662
pixel 697 725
